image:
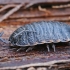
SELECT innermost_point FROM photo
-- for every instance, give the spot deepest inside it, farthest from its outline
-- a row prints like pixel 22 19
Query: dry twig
pixel 6 7
pixel 44 10
pixel 10 12
pixel 61 6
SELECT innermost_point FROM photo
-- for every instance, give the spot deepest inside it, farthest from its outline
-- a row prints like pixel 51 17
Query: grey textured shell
pixel 40 33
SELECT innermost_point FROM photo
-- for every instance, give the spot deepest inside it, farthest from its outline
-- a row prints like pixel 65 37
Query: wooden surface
pixel 33 1
pixel 11 58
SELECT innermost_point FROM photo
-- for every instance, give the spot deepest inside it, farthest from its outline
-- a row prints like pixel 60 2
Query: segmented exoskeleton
pixel 43 32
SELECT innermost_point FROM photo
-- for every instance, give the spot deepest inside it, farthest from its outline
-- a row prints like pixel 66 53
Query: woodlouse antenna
pixel 3 40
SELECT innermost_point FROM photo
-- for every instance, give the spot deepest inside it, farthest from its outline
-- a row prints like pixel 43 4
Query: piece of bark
pixel 38 64
pixel 7 6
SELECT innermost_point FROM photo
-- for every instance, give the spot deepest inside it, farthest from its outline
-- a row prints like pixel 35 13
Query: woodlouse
pixel 39 33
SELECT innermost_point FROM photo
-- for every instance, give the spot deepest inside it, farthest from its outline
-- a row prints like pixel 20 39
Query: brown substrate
pixel 11 59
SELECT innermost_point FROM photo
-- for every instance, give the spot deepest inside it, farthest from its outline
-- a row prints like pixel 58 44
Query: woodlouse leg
pixel 20 49
pixel 30 48
pixel 48 48
pixel 53 46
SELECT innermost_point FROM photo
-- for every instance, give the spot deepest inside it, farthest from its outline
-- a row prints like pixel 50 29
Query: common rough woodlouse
pixel 42 32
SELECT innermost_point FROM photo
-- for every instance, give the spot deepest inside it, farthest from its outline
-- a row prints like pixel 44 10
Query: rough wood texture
pixel 7 6
pixel 39 14
pixel 33 1
pixel 10 12
pixel 45 64
pixel 9 58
